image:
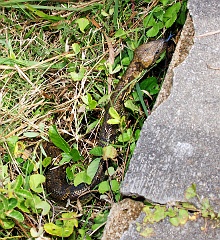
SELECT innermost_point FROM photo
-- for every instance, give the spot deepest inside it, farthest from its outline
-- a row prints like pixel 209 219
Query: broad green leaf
pixel 23 193
pixel 104 187
pixel 96 151
pixel 190 192
pixel 114 114
pixel 113 121
pixel 92 168
pixel 159 213
pixel 130 105
pixel 57 140
pixel 114 185
pixel 170 15
pixel 46 161
pixel 174 221
pixel 76 48
pixel 7 223
pixel 164 2
pixel 111 171
pixel 35 182
pixel 183 216
pixel 149 21
pixel 57 230
pixel 31 134
pixel 125 136
pixel 4 202
pixel 78 76
pixel 12 203
pixel 66 158
pixel 15 215
pixel 44 206
pixel 120 33
pixel 75 155
pixel 83 23
pixel 82 177
pixel 109 152
pixel 91 103
pixel 153 31
pixel 171 212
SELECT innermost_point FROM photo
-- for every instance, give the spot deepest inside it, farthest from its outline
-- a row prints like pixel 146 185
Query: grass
pixel 58 64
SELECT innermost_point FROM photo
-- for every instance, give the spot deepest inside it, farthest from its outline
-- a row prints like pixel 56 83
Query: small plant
pixel 179 214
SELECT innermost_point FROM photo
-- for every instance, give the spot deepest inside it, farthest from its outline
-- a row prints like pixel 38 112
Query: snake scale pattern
pixel 56 184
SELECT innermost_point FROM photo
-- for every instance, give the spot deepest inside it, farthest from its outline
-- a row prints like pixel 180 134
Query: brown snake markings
pixel 56 184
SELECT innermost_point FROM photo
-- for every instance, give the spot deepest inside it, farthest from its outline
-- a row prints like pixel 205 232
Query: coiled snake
pixel 58 188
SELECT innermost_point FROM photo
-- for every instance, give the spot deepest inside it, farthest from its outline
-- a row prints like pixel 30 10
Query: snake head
pixel 147 53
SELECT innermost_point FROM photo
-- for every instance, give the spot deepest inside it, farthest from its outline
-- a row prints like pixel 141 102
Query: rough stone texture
pixel 121 215
pixel 183 46
pixel 165 231
pixel 179 144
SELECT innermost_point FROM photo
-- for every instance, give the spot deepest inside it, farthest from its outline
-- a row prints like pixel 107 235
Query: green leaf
pixel 120 33
pixel 83 23
pixel 66 158
pixel 35 182
pixel 171 212
pixel 44 206
pixel 114 185
pixel 46 161
pixel 23 193
pixel 31 134
pixel 42 14
pixel 7 223
pixel 4 202
pixel 190 192
pixel 130 105
pixel 111 171
pixel 92 103
pixel 12 203
pixel 183 216
pixel 57 230
pixel 57 140
pixel 104 187
pixel 159 213
pixel 149 21
pixel 174 221
pixel 18 182
pixel 125 136
pixel 96 151
pixel 113 121
pixel 75 155
pixel 109 152
pixel 114 114
pixel 78 76
pixel 15 215
pixel 153 31
pixel 92 168
pixel 170 15
pixel 82 177
pixel 76 48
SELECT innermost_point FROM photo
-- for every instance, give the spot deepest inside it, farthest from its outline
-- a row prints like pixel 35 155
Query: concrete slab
pixel 179 144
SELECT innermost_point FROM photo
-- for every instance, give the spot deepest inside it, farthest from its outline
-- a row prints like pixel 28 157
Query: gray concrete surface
pixel 180 141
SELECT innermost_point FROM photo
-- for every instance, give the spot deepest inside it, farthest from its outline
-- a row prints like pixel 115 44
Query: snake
pixel 57 186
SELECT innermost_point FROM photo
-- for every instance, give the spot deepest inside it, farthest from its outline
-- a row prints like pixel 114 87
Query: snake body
pixel 58 188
